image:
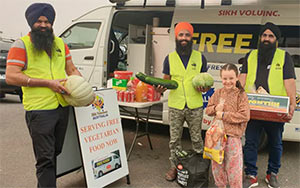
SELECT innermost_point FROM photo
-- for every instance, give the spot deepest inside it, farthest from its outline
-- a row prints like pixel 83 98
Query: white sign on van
pixel 101 140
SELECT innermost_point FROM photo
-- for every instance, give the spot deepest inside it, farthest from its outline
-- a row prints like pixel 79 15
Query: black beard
pixel 42 40
pixel 266 52
pixel 184 50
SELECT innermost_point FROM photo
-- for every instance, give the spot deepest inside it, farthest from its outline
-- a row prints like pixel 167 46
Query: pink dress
pixel 236 116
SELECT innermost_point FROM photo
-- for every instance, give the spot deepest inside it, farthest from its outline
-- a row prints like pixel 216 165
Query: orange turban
pixel 184 25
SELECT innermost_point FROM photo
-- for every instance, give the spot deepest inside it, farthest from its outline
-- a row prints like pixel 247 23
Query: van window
pixel 290 37
pixel 116 156
pixel 81 35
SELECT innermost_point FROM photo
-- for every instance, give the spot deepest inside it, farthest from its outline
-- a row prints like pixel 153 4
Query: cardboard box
pixel 268 107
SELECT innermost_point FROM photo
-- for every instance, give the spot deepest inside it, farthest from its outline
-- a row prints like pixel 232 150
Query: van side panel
pixel 226 34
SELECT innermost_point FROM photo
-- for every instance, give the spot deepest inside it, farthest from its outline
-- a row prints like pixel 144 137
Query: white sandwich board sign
pixel 101 140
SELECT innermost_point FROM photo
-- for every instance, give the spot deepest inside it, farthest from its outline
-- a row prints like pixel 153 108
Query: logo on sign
pixel 98 105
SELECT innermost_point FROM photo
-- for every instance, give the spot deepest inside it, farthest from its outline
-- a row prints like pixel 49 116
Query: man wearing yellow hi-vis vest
pixel 185 103
pixel 272 69
pixel 40 62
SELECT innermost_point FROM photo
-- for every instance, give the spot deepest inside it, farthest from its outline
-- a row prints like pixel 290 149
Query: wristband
pixel 223 115
pixel 28 81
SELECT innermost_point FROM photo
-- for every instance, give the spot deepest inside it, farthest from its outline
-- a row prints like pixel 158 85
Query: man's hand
pixel 290 86
pixel 57 86
pixel 160 89
pixel 289 116
pixel 202 89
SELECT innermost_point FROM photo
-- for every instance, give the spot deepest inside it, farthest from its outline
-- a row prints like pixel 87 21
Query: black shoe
pixel 272 180
pixel 171 174
pixel 250 181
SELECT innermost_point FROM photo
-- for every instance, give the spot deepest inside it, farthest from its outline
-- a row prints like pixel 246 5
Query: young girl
pixel 235 113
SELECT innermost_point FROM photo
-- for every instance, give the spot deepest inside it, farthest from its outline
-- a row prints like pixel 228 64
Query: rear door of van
pixel 86 38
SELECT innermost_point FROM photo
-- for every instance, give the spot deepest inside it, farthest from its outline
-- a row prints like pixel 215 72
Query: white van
pixel 140 34
pixel 106 164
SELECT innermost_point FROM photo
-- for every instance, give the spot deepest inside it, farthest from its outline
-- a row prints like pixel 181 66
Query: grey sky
pixel 12 15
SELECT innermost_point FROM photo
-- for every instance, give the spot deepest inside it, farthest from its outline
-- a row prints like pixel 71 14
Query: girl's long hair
pixel 230 66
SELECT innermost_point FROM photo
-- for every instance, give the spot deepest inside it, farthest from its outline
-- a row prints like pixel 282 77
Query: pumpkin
pixel 81 92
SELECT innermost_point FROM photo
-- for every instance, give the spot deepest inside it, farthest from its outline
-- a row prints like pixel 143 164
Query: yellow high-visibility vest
pixel 185 93
pixel 275 79
pixel 40 65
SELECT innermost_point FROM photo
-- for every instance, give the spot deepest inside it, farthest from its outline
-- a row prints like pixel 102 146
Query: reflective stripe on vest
pixel 40 65
pixel 185 93
pixel 275 79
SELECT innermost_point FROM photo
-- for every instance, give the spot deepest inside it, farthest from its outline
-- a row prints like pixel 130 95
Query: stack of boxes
pixel 120 80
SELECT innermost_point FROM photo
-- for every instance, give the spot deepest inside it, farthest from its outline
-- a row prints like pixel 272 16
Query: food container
pixel 123 75
pixel 119 84
pixel 121 96
pixel 268 107
pixel 132 95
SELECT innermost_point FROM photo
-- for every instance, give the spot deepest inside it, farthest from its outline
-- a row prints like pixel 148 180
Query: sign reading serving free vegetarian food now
pixel 101 140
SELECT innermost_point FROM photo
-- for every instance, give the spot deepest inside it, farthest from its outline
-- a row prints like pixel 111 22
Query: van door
pixel 86 38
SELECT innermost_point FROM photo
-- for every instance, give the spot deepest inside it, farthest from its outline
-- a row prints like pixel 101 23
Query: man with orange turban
pixel 185 103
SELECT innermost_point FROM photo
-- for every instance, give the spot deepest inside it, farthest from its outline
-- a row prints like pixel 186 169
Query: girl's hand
pixel 219 115
pixel 220 107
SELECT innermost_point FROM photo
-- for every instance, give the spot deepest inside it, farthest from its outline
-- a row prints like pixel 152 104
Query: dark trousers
pixel 274 131
pixel 47 129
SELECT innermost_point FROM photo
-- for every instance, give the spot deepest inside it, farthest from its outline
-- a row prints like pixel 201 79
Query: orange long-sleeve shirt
pixel 236 110
pixel 17 54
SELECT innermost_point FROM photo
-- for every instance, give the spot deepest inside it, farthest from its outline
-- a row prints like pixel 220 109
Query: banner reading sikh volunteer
pixel 101 140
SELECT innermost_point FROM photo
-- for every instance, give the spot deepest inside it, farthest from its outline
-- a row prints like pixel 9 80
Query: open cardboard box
pixel 268 107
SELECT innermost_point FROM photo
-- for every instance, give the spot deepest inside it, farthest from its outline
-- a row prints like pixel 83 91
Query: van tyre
pixel 117 166
pixel 100 174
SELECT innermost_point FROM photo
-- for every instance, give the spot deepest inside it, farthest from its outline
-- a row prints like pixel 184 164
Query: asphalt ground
pixel 146 167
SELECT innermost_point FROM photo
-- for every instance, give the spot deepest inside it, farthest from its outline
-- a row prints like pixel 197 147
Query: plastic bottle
pixel 141 92
pixel 130 84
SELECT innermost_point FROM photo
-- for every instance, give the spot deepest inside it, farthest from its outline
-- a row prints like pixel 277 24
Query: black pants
pixel 47 129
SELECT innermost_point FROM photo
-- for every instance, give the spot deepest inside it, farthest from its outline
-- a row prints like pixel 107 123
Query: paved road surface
pixel 146 167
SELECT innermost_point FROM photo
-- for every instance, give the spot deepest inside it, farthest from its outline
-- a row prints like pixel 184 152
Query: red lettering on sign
pixel 205 121
pixel 268 13
pixel 227 13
